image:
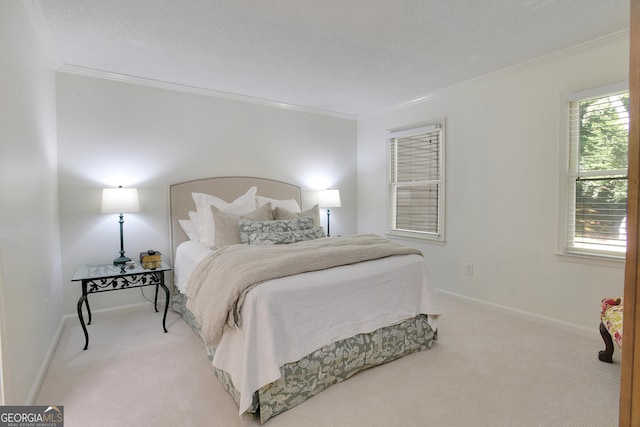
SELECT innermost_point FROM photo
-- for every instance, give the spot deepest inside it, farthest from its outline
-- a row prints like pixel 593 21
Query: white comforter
pixel 285 319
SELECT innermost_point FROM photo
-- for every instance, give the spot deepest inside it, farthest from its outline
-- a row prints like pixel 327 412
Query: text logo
pixel 31 416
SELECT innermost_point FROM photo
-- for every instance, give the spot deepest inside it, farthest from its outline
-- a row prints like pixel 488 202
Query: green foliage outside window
pixel 601 192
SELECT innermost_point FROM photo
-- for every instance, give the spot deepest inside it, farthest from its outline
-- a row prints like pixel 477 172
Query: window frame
pixel 570 173
pixel 392 185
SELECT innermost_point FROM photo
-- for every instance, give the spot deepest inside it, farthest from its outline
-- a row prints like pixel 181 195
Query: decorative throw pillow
pixel 227 227
pixel 249 227
pixel 240 206
pixel 283 237
pixel 282 213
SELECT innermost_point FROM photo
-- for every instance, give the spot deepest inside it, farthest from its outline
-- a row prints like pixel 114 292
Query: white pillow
pixel 190 226
pixel 240 206
pixel 187 227
pixel 291 205
pixel 193 217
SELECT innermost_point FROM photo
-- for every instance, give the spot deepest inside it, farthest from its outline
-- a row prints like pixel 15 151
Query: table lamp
pixel 329 199
pixel 120 200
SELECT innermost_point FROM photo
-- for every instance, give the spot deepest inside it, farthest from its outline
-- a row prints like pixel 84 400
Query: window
pixel 416 181
pixel 597 172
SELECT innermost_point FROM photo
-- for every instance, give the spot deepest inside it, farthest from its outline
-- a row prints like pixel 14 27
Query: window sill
pixel 599 260
pixel 414 238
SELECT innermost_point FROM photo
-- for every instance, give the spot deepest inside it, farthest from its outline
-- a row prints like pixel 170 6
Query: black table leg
pixel 166 305
pixel 155 302
pixel 82 299
pixel 86 301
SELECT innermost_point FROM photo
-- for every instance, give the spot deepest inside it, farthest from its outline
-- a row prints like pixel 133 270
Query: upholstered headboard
pixel 227 188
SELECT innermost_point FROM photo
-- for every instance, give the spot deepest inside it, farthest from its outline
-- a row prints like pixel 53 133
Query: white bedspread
pixel 285 319
pixel 188 255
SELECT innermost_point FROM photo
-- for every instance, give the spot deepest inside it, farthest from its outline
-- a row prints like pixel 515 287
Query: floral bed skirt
pixel 327 366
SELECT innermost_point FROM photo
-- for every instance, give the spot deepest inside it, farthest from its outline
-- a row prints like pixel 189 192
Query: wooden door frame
pixel 630 373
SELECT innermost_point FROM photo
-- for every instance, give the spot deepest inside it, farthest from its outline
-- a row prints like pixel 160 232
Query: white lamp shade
pixel 120 200
pixel 329 199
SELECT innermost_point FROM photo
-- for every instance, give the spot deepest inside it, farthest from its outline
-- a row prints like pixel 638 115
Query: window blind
pixel 416 181
pixel 597 178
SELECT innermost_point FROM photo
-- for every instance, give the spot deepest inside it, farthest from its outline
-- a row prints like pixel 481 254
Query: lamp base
pixel 121 260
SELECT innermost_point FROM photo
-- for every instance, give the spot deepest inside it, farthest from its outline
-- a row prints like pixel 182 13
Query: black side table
pixel 108 277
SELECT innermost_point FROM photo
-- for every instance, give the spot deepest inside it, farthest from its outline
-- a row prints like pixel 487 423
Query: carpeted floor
pixel 488 368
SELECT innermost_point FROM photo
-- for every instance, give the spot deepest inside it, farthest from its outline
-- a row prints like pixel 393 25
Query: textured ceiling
pixel 346 56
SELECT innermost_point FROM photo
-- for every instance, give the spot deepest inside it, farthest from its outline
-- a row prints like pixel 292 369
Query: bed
pixel 297 332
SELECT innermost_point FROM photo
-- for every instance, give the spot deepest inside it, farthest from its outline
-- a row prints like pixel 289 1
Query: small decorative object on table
pixel 151 259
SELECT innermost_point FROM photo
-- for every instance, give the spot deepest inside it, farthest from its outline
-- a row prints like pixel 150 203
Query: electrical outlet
pixel 468 269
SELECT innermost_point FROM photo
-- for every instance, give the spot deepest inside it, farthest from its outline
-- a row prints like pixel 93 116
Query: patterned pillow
pixel 278 231
pixel 283 237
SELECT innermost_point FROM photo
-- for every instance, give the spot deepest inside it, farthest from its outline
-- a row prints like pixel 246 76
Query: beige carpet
pixel 487 369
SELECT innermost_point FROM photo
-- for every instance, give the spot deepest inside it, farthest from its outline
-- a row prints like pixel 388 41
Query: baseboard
pixel 53 345
pixel 35 389
pixel 549 321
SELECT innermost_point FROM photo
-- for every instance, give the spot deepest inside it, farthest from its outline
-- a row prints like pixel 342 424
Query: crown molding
pixel 46 39
pixel 573 50
pixel 141 81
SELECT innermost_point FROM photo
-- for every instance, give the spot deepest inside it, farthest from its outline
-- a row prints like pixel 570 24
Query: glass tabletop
pixel 89 272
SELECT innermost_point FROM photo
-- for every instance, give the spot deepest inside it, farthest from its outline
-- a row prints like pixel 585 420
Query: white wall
pixel 503 137
pixel 504 148
pixel 29 234
pixel 112 133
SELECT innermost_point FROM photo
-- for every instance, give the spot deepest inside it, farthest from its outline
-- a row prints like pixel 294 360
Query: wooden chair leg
pixel 606 355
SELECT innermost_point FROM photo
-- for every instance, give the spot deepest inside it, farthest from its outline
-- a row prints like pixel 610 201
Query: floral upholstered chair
pixel 611 314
